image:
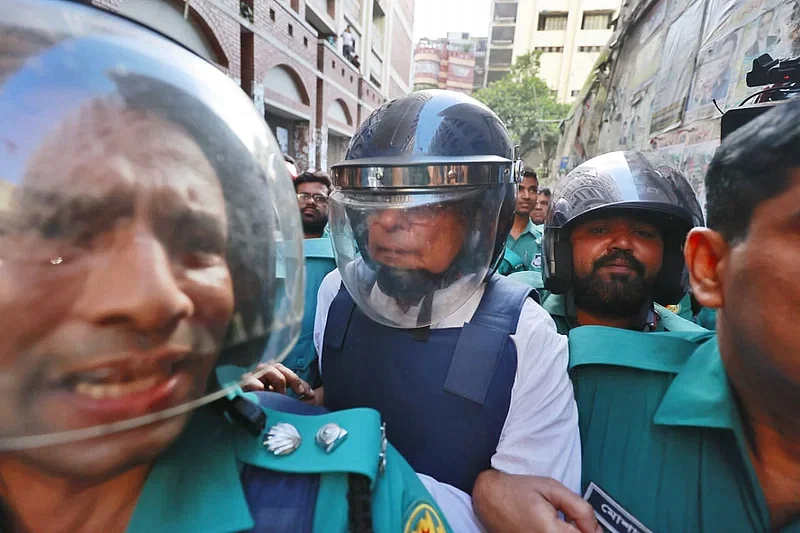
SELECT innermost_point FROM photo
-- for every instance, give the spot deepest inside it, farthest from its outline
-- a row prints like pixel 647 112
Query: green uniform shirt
pixel 528 247
pixel 195 486
pixel 319 261
pixel 555 305
pixel 706 318
pixel 661 432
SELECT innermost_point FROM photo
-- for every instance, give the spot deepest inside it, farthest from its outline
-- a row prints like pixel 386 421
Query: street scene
pixel 399 266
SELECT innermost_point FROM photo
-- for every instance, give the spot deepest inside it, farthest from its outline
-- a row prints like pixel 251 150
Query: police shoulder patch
pixel 424 518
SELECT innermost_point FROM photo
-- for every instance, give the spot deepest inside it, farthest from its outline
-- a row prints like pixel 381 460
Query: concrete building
pixel 570 34
pixel 450 63
pixel 287 55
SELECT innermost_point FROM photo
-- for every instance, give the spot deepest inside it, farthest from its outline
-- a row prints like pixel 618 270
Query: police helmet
pixel 150 241
pixel 422 205
pixel 630 183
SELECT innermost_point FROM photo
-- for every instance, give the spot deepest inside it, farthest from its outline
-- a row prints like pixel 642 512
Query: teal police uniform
pixel 528 247
pixel 196 485
pixel 319 261
pixel 510 263
pixel 662 434
pixel 705 317
pixel 664 320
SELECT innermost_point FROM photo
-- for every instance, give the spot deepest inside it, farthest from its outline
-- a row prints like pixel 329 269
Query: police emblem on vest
pixel 424 519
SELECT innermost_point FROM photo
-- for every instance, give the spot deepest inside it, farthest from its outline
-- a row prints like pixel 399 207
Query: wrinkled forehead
pixel 118 160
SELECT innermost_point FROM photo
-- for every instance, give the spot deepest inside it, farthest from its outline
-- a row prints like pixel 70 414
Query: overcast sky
pixel 434 18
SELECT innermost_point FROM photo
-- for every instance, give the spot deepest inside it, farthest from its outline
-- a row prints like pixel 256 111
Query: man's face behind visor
pixel 115 293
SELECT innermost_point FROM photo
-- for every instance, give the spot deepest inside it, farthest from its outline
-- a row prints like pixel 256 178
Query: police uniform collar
pixel 700 395
pixel 556 305
pixel 195 485
pixel 658 352
pixel 531 228
pixel 359 454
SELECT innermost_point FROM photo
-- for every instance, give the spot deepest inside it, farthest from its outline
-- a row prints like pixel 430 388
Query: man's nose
pixel 136 286
pixel 620 239
pixel 391 219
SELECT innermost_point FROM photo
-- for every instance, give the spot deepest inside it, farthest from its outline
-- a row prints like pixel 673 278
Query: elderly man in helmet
pixel 466 368
pixel 142 228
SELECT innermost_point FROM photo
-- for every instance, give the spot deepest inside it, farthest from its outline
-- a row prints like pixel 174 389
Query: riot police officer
pixel 466 369
pixel 144 212
pixel 613 243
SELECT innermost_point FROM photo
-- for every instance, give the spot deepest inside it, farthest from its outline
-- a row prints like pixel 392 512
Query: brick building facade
pixel 287 55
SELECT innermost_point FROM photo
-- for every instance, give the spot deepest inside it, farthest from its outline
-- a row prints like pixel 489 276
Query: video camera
pixel 783 78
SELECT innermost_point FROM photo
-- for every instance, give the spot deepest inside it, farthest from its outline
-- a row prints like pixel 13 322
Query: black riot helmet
pixel 422 205
pixel 622 183
pixel 150 242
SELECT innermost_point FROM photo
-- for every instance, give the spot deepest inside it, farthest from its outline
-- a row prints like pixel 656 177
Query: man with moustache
pixel 613 244
pixel 613 247
pixel 141 225
pixel 313 190
pixel 696 431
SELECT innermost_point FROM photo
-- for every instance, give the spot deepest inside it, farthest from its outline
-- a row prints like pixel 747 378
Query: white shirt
pixel 540 436
pixel 348 39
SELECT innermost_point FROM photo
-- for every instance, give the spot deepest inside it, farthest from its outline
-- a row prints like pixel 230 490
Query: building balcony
pixel 369 93
pixel 338 69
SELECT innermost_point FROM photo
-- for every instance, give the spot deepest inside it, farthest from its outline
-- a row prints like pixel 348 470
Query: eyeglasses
pixel 319 199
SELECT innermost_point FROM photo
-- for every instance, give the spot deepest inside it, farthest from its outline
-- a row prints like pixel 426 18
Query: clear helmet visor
pixel 410 258
pixel 150 242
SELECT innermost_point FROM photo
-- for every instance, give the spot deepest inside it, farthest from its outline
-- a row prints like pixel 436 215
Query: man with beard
pixel 313 190
pixel 467 369
pixel 699 432
pixel 613 244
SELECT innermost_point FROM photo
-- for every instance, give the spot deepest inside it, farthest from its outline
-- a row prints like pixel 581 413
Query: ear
pixel 705 252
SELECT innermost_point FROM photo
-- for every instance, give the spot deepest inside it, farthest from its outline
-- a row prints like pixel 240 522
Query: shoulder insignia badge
pixel 424 519
pixel 674 308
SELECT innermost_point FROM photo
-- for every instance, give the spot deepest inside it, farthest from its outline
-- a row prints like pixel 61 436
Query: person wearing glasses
pixel 312 190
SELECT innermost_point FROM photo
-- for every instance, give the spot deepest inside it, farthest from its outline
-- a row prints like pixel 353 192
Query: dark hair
pixel 289 159
pixel 313 177
pixel 751 166
pixel 529 173
pixel 546 191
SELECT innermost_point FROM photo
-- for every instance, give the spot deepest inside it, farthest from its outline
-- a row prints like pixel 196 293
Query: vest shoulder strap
pixel 501 304
pixel 484 338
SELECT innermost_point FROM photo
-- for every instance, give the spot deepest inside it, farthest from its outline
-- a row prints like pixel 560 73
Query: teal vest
pixel 661 432
pixel 319 261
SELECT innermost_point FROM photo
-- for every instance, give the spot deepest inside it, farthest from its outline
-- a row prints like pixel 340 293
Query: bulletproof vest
pixel 280 501
pixel 444 395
